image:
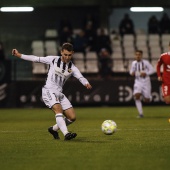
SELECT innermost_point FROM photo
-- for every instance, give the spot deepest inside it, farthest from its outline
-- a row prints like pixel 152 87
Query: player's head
pixel 66 52
pixel 138 55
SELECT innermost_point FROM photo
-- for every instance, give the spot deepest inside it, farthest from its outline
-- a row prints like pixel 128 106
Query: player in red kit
pixel 165 75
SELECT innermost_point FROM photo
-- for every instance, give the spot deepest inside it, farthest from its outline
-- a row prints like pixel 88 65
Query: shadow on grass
pixel 86 140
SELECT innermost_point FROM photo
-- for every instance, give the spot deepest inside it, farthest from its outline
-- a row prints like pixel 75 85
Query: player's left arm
pixel 150 69
pixel 77 74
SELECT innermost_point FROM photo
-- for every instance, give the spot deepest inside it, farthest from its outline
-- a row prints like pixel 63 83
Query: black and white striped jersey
pixel 141 66
pixel 58 72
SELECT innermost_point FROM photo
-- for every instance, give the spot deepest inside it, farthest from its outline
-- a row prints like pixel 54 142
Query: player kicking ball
pixel 60 69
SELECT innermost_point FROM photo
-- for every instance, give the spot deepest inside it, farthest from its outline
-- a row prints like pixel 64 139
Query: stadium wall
pixel 105 92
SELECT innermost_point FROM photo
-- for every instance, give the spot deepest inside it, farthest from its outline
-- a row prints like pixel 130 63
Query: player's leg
pixel 137 92
pixel 69 114
pixel 52 100
pixel 138 104
pixel 166 93
pixel 146 91
pixel 167 99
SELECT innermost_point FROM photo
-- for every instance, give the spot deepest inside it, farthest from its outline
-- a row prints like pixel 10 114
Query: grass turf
pixel 138 144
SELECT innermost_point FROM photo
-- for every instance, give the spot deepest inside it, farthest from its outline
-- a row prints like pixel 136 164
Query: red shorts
pixel 165 90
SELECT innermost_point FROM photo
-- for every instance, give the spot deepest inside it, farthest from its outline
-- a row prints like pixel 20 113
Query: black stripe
pixel 59 62
pixel 64 66
pixel 143 66
pixel 138 66
pixel 70 64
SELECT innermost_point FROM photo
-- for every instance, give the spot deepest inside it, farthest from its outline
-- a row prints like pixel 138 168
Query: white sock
pixel 61 123
pixel 67 121
pixel 139 106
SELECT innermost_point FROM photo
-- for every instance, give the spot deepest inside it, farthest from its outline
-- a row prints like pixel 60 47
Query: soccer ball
pixel 109 127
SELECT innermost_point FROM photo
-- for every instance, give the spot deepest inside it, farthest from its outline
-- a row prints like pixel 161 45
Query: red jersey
pixel 165 61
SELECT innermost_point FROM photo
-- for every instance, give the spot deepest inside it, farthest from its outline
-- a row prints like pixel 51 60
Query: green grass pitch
pixel 138 144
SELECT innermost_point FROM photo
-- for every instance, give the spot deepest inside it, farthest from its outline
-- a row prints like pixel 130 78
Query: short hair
pixel 139 51
pixel 67 46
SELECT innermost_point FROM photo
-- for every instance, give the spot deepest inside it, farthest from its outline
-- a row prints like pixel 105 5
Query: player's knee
pixel 147 100
pixel 72 118
pixel 137 97
pixel 167 101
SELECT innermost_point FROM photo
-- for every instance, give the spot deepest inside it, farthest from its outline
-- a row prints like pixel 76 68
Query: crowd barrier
pixel 104 92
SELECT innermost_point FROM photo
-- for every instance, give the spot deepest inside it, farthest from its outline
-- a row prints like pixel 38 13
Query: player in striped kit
pixel 141 69
pixel 165 76
pixel 61 68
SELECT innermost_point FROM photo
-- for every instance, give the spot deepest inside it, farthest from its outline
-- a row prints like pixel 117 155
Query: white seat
pixel 129 55
pixel 155 53
pixel 165 38
pixel 76 31
pixel 118 66
pixel 154 64
pixel 117 49
pixel 51 47
pixel 141 37
pixel 78 56
pixel 128 37
pixel 92 66
pixel 91 55
pixel 38 52
pixel 51 33
pixel 80 65
pixel 153 40
pixel 117 55
pixel 39 68
pixel 37 44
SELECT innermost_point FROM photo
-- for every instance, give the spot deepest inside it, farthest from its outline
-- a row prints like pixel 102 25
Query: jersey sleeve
pixel 45 60
pixel 79 76
pixel 158 67
pixel 150 69
pixel 132 68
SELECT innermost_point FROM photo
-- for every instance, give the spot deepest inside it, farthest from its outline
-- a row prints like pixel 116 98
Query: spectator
pixel 105 63
pixel 126 26
pixel 80 42
pixel 89 19
pixel 65 35
pixel 165 24
pixel 65 23
pixel 90 34
pixel 153 25
pixel 103 41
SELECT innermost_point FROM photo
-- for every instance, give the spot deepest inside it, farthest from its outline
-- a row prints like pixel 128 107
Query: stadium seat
pixel 51 47
pixel 118 66
pixel 51 34
pixel 39 68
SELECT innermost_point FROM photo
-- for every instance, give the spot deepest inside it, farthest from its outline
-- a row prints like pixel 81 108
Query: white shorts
pixel 52 97
pixel 144 89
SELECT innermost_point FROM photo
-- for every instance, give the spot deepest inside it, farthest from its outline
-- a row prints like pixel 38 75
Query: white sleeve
pixel 150 70
pixel 46 60
pixel 132 68
pixel 79 76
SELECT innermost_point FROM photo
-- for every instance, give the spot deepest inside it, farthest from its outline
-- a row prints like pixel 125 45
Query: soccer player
pixel 165 76
pixel 141 69
pixel 61 68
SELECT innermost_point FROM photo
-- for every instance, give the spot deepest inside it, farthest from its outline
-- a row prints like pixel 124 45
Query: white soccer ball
pixel 109 127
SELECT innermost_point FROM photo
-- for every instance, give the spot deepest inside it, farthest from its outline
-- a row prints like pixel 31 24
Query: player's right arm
pixel 46 60
pixel 158 69
pixel 132 69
